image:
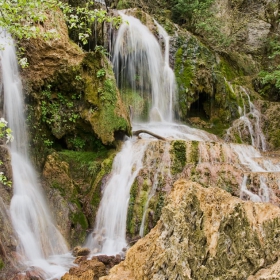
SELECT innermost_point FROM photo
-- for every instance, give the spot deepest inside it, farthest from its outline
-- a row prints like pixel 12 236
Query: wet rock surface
pixel 205 234
pixel 211 164
pixel 8 240
pixel 79 252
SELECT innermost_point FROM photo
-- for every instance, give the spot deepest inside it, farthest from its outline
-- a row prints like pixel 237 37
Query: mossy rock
pixel 2 265
pixel 69 178
pixel 93 197
pixel 179 158
pixel 105 111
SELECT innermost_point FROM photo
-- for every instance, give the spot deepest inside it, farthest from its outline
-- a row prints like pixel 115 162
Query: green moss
pixel 61 189
pixel 130 210
pixel 95 194
pixel 106 114
pixel 159 206
pixel 123 4
pixel 1 264
pixel 80 218
pixel 275 138
pixel 89 163
pixel 218 126
pixel 178 152
pixel 194 154
pixel 237 138
pixel 184 72
pixel 227 70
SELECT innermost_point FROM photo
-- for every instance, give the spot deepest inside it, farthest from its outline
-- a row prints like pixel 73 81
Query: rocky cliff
pixel 205 233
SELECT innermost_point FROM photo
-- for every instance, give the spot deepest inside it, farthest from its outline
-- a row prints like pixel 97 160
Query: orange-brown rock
pixel 80 251
pixel 47 56
pixel 87 270
pixel 205 233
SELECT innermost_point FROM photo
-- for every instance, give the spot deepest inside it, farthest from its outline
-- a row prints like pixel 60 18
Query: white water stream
pixel 139 64
pixel 109 235
pixel 249 120
pixel 39 239
pixel 137 53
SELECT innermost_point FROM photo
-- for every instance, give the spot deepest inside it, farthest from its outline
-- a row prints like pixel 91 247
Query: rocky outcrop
pixel 8 239
pixel 93 268
pixel 64 200
pixel 211 164
pixel 47 56
pixel 205 234
pixel 73 182
pixel 270 111
pixel 72 98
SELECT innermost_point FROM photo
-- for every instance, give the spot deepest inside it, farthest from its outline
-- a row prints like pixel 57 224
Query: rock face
pixel 271 110
pixel 205 234
pixel 8 240
pixel 211 164
pixel 73 182
pixel 87 270
pixel 72 98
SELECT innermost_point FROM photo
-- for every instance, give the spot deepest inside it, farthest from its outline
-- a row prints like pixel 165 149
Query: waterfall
pixel 38 237
pixel 109 235
pixel 138 64
pixel 249 120
pixel 137 53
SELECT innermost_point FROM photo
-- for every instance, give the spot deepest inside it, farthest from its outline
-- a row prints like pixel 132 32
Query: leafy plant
pixel 101 50
pixel 190 12
pixel 272 77
pixel 48 143
pixel 78 143
pixel 101 73
pixel 272 74
pixel 23 19
pixel 3 179
pixel 5 132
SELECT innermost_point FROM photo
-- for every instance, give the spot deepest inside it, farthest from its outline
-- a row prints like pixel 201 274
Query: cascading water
pixel 38 237
pixel 137 53
pixel 109 232
pixel 138 64
pixel 249 120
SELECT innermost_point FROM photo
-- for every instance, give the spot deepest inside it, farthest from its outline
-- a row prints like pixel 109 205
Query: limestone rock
pixel 46 57
pixel 109 261
pixel 87 270
pixel 271 272
pixel 79 251
pixel 62 194
pixel 204 234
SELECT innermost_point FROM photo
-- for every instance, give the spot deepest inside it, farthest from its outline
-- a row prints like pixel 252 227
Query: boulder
pixel 79 251
pixel 205 233
pixel 87 270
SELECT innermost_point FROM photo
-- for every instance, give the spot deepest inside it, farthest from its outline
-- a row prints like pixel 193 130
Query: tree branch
pixel 137 132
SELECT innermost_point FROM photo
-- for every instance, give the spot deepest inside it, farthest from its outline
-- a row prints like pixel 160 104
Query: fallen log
pixel 137 132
